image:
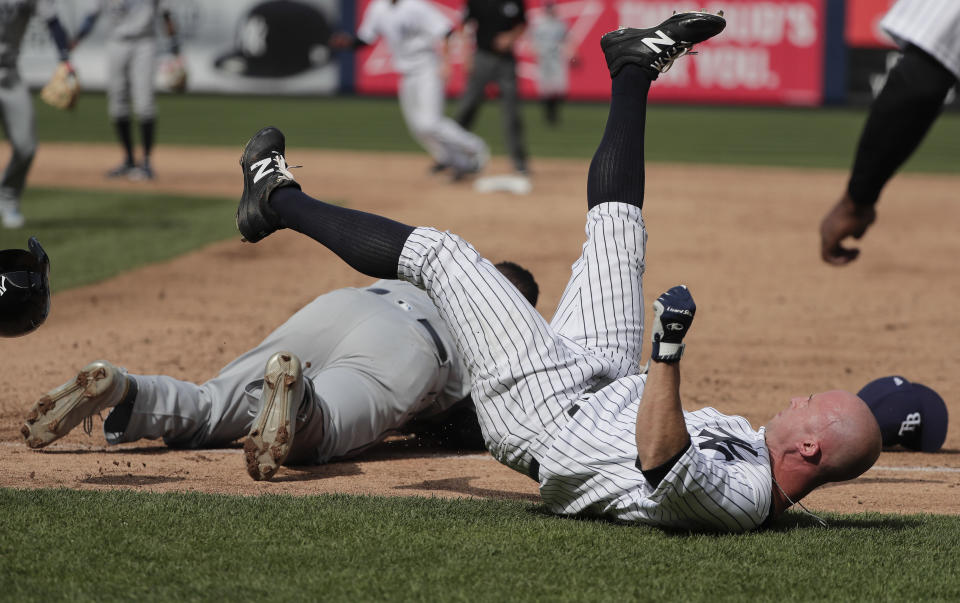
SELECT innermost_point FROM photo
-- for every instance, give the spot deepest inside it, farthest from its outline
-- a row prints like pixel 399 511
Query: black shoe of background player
pixel 264 171
pixel 656 48
pixel 438 167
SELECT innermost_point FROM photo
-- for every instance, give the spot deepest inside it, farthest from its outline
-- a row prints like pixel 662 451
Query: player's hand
pixel 845 220
pixel 672 316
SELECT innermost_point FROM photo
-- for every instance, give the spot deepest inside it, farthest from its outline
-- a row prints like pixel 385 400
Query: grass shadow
pixel 130 480
pixel 462 485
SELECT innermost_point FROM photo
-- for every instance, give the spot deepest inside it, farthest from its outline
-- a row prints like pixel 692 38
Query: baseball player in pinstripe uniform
pixel 132 54
pixel 928 32
pixel 565 402
pixel 16 105
pixel 414 31
pixel 372 359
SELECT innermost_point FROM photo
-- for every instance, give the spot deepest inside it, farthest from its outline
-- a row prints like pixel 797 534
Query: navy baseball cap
pixel 910 414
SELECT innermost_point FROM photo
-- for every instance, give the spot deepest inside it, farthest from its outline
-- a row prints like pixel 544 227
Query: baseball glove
pixel 173 73
pixel 63 88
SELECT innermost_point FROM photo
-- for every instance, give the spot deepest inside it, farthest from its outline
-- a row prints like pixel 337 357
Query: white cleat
pixel 97 386
pixel 271 436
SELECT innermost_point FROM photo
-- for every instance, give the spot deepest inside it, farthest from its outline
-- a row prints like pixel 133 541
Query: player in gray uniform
pixel 928 32
pixel 132 54
pixel 372 358
pixel 549 37
pixel 565 402
pixel 16 105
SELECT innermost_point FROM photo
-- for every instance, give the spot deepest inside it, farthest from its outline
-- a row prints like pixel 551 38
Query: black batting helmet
pixel 24 289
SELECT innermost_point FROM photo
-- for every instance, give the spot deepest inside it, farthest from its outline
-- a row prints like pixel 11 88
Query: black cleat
pixel 264 170
pixel 656 48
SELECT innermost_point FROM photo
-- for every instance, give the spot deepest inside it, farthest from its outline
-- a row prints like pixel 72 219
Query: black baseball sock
pixel 899 119
pixel 119 418
pixel 616 171
pixel 369 243
pixel 147 128
pixel 122 126
pixel 551 109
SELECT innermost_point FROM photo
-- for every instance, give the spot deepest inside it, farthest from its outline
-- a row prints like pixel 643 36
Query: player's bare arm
pixel 661 430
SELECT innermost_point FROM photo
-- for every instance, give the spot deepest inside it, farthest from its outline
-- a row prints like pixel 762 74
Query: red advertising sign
pixel 862 29
pixel 770 53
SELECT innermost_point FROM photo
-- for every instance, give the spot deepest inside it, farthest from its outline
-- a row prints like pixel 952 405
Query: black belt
pixel 533 471
pixel 441 349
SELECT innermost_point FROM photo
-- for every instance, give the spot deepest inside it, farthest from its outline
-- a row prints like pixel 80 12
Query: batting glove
pixel 673 315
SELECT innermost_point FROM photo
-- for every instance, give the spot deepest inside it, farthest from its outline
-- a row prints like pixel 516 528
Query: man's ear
pixel 809 450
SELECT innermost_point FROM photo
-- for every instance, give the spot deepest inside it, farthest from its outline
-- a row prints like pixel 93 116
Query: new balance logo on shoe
pixel 3 284
pixel 662 39
pixel 263 169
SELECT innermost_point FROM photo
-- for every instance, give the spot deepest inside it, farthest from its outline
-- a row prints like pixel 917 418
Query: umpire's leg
pixel 484 70
pixel 510 111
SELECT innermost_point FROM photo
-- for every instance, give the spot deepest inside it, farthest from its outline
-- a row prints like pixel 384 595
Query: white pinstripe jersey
pixel 933 25
pixel 721 481
pixel 526 376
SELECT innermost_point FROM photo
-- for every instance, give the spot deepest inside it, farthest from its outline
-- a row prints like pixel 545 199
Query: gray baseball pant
pixel 489 67
pixel 16 107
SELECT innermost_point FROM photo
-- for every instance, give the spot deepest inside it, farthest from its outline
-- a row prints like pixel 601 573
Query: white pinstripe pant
pixel 526 373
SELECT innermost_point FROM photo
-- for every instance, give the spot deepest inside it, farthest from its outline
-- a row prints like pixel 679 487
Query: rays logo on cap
pixel 909 414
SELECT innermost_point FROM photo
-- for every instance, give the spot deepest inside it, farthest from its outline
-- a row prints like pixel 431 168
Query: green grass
pixel 81 545
pixel 58 545
pixel 823 137
pixel 91 236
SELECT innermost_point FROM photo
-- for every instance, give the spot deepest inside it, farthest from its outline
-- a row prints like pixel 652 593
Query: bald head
pixel 833 433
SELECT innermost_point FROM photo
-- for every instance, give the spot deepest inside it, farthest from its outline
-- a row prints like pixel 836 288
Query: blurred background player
pixel 912 98
pixel 132 54
pixel 549 36
pixel 417 34
pixel 498 24
pixel 16 105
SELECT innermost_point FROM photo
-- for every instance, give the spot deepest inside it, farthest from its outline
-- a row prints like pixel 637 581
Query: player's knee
pixel 425 130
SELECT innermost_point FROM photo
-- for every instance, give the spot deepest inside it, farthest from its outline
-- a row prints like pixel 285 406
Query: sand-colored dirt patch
pixel 772 320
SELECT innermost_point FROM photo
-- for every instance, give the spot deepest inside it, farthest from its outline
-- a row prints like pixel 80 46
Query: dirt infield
pixel 773 321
